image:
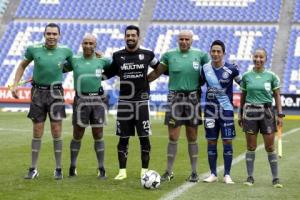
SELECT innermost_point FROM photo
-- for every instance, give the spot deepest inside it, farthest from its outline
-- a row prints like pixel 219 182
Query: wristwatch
pixel 281 115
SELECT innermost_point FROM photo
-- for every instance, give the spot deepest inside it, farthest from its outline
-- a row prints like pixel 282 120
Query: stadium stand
pixel 291 80
pixel 249 24
pixel 3 6
pixel 240 40
pixel 19 35
pixel 297 11
pixel 218 10
pixel 81 9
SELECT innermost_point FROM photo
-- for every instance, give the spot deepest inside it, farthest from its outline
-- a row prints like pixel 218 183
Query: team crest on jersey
pixel 141 56
pixel 196 65
pixel 225 75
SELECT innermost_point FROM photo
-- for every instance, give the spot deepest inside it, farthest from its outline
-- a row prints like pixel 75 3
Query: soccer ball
pixel 150 180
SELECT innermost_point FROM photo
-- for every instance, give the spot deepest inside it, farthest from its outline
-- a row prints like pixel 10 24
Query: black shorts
pixel 183 109
pixel 88 110
pixel 133 115
pixel 47 101
pixel 259 119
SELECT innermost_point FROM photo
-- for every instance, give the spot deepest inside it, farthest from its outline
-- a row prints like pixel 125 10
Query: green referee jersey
pixel 87 73
pixel 48 63
pixel 259 86
pixel 184 68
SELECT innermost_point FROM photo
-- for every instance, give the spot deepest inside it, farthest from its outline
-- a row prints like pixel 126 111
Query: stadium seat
pixel 82 9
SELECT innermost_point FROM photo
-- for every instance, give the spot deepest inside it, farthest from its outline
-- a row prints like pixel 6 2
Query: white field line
pixel 187 185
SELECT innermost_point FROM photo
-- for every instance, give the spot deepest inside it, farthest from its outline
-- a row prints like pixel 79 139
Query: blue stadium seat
pixel 258 11
pixel 81 9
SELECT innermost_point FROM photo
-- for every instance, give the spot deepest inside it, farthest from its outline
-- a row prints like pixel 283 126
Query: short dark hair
pixel 219 43
pixel 52 25
pixel 133 27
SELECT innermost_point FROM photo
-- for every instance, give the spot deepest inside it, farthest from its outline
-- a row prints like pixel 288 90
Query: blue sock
pixel 212 158
pixel 227 155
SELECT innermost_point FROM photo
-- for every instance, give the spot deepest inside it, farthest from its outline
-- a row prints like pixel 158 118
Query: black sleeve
pixel 67 66
pixel 154 61
pixel 111 71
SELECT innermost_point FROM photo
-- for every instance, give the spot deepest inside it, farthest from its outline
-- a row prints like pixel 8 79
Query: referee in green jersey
pixel 46 94
pixel 183 64
pixel 88 108
pixel 259 86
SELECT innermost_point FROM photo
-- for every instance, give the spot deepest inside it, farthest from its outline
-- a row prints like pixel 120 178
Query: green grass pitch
pixel 16 133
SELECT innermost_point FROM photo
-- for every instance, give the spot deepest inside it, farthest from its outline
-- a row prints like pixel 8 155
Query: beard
pixel 131 45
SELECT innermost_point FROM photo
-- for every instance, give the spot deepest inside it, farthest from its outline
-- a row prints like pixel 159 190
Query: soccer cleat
pixel 122 174
pixel 276 183
pixel 167 176
pixel 211 178
pixel 101 173
pixel 58 175
pixel 72 171
pixel 32 173
pixel 249 181
pixel 143 171
pixel 227 179
pixel 193 177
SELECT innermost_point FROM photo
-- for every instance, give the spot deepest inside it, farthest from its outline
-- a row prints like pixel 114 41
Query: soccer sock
pixel 74 147
pixel 250 157
pixel 171 154
pixel 272 157
pixel 57 144
pixel 35 149
pixel 123 152
pixel 193 153
pixel 227 156
pixel 212 157
pixel 99 149
pixel 145 151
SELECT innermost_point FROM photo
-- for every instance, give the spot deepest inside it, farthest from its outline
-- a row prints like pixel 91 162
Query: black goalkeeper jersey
pixel 132 68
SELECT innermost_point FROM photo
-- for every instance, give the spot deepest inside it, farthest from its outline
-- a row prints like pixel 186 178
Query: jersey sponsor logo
pixel 268 86
pixel 209 123
pixel 224 81
pixel 132 66
pixel 141 56
pixel 196 65
pixel 133 76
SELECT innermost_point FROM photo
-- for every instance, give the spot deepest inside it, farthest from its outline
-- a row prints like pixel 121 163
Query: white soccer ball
pixel 150 180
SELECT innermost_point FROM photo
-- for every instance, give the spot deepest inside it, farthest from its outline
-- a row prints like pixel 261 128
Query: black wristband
pixel 281 115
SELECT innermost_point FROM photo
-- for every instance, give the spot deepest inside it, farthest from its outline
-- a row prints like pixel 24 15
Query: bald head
pixel 89 45
pixel 185 40
pixel 186 33
pixel 90 37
